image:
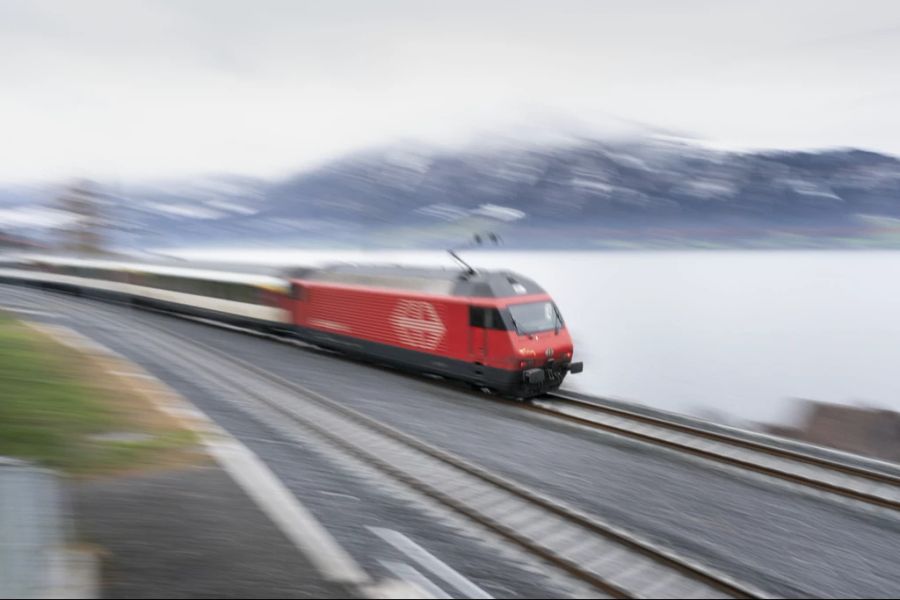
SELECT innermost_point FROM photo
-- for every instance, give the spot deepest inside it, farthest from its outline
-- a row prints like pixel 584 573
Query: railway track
pixel 831 476
pixel 613 561
pixel 873 487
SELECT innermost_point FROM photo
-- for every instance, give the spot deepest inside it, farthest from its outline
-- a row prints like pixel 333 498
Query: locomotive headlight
pixel 549 353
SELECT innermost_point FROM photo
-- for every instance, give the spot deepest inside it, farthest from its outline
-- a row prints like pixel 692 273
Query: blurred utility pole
pixel 82 233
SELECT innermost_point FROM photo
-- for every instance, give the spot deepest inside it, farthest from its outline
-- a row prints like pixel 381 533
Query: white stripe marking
pixel 249 472
pixel 27 311
pixel 428 561
pixel 285 510
pixel 414 577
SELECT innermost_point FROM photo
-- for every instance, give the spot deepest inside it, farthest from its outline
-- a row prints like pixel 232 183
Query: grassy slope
pixel 52 401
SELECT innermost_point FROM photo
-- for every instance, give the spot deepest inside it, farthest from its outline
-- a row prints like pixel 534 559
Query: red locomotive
pixel 495 330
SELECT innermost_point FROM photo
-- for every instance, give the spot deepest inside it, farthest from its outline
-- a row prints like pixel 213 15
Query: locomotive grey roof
pixel 453 282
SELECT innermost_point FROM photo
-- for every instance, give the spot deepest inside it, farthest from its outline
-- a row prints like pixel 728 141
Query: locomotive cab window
pixel 534 317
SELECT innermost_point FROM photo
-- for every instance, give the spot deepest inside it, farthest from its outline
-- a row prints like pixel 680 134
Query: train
pixel 493 330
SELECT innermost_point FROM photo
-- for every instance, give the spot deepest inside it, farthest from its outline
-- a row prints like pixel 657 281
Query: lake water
pixel 736 333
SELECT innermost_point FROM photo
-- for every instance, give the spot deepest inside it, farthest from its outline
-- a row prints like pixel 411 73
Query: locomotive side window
pixel 486 318
pixel 476 316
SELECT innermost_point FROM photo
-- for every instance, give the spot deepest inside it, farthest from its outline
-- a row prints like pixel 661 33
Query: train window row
pixel 224 290
pixel 93 273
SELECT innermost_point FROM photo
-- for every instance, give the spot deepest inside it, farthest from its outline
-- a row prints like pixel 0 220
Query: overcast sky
pixel 149 88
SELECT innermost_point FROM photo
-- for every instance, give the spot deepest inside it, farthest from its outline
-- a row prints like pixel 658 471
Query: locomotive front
pixel 542 345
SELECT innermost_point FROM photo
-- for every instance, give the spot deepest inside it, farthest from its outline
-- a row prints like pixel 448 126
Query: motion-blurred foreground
pixel 659 360
pixel 731 336
pixel 261 491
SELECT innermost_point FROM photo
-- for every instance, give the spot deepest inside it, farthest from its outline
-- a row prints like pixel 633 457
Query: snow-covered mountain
pixel 572 192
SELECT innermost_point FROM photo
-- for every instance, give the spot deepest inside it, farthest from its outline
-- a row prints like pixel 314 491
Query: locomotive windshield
pixel 533 317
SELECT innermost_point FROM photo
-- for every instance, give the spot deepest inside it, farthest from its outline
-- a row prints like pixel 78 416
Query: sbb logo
pixel 418 324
